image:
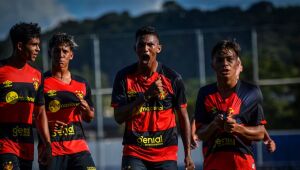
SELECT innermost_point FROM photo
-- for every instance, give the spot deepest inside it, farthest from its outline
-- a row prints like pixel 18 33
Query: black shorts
pixel 11 161
pixel 78 161
pixel 133 163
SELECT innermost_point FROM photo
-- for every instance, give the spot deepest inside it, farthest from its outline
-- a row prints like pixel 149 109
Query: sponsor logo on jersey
pixel 65 131
pixel 11 97
pixel 54 106
pixel 19 131
pixel 8 166
pixel 51 93
pixel 150 141
pixel 7 83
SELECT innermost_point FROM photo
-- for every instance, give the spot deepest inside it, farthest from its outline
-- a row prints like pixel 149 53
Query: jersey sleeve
pixel 119 96
pixel 180 97
pixel 39 98
pixel 201 115
pixel 252 113
pixel 88 96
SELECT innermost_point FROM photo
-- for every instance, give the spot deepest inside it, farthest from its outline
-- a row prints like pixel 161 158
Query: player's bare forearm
pixel 253 133
pixel 124 113
pixel 185 129
pixel 41 123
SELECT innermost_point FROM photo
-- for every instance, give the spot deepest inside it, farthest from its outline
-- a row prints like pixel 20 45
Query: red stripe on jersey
pixel 26 75
pixel 52 83
pixel 230 105
pixel 152 154
pixel 229 161
pixel 22 150
pixel 20 112
pixel 152 121
pixel 65 115
pixel 69 147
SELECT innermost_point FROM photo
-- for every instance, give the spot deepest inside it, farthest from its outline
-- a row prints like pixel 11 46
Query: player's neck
pixel 148 71
pixel 16 61
pixel 226 87
pixel 63 75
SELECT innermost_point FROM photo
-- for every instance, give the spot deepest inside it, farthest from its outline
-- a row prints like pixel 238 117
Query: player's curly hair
pixel 226 45
pixel 62 38
pixel 23 32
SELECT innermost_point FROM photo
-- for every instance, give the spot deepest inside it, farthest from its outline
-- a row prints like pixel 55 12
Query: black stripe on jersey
pixel 67 99
pixel 17 132
pixel 151 139
pixel 25 92
pixel 71 132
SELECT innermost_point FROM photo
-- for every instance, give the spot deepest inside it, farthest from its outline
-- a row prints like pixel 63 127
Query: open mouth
pixel 145 58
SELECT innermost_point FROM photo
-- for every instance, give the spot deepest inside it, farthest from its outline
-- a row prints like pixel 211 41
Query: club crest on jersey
pixel 8 165
pixel 35 83
pixel 51 93
pixel 162 95
pixel 214 110
pixel 230 110
pixel 11 97
pixel 54 106
pixel 79 94
pixel 7 83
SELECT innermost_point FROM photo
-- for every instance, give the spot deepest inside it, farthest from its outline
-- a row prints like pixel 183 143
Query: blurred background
pixel 268 31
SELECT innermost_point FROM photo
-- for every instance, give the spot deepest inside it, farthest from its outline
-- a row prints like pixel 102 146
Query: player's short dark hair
pixel 23 32
pixel 145 30
pixel 226 45
pixel 62 38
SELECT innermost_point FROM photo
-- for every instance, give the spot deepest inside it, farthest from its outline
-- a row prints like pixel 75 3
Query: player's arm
pixel 254 133
pixel 127 111
pixel 269 143
pixel 186 134
pixel 207 131
pixel 87 112
pixel 194 136
pixel 41 122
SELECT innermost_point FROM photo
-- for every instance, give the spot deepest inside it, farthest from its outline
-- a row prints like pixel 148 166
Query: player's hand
pixel 45 154
pixel 83 106
pixel 230 125
pixel 189 164
pixel 270 145
pixel 194 141
pixel 56 125
pixel 155 89
pixel 218 121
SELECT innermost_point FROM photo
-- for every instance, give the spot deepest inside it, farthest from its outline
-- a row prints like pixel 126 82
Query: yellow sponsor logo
pixel 90 168
pixel 148 109
pixel 35 83
pixel 224 142
pixel 8 166
pixel 7 83
pixel 131 94
pixel 11 97
pixel 18 131
pixel 148 141
pixel 66 131
pixel 54 106
pixel 51 93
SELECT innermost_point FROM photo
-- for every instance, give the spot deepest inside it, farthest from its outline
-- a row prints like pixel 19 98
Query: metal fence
pixel 179 46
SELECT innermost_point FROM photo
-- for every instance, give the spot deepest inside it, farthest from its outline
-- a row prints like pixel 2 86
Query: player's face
pixel 61 56
pixel 31 49
pixel 147 47
pixel 226 64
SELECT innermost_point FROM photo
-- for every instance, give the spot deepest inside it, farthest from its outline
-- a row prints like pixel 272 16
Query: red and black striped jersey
pixel 150 135
pixel 61 101
pixel 20 90
pixel 245 104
